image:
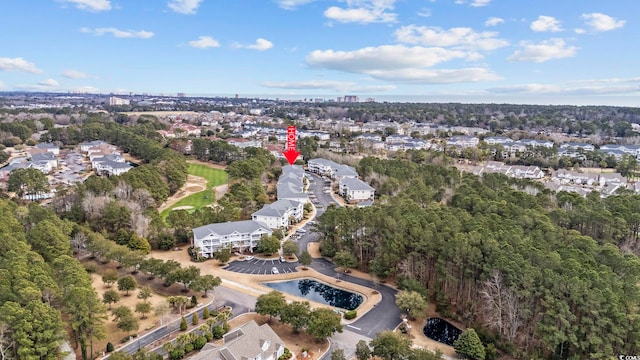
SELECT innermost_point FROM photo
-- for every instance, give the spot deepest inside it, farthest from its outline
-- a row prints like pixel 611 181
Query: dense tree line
pixel 547 289
pixel 39 282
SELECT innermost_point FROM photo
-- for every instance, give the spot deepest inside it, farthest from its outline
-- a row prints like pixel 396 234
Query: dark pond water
pixel 441 331
pixel 319 292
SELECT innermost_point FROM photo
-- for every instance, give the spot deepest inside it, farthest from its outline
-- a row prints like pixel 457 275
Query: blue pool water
pixel 441 331
pixel 319 292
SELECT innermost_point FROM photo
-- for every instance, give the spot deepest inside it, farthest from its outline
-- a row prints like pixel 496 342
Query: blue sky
pixel 517 51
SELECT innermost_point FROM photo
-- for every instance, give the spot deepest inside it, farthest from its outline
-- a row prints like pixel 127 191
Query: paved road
pixel 346 340
pixel 259 266
pixel 384 316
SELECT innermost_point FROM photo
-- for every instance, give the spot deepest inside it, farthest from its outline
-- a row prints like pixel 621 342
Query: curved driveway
pixel 384 316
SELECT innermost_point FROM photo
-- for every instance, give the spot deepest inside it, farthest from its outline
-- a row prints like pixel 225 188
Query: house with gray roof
pixel 44 162
pixel 463 141
pixel 355 190
pixel 331 169
pixel 238 235
pixel 291 185
pixel 498 140
pixel 249 342
pixel 5 171
pixel 49 147
pixel 280 214
pixel 110 168
pixel 84 147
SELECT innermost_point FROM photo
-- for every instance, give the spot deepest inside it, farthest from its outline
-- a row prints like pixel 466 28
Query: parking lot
pixel 261 266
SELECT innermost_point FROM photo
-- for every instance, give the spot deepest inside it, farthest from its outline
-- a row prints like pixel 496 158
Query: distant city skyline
pixel 471 51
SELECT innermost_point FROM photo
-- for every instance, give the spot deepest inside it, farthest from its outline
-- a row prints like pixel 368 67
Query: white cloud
pixel 363 12
pixel 493 21
pixel 204 42
pixel 260 45
pixel 91 5
pixel 602 22
pixel 460 37
pixel 142 34
pixel 340 86
pixel 400 63
pixel 424 12
pixel 546 24
pixel 18 64
pixel 580 31
pixel 480 3
pixel 49 83
pixel 386 57
pixel 292 4
pixel 543 51
pixel 74 74
pixel 86 89
pixel 186 7
pixel 581 87
pixel 2 86
pixel 436 76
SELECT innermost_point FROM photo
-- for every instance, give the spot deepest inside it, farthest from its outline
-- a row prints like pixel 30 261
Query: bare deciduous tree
pixel 502 306
pixel 93 206
pixel 6 343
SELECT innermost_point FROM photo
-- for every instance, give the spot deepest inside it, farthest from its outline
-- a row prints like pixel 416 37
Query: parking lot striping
pixel 351 326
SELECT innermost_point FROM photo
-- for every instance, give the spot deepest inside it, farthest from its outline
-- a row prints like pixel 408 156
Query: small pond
pixel 319 292
pixel 441 331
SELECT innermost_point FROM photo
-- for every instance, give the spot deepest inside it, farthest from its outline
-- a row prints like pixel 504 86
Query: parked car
pixel 282 259
pixel 274 270
pixel 250 257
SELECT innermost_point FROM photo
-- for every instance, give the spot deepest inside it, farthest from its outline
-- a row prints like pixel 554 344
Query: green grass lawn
pixel 203 198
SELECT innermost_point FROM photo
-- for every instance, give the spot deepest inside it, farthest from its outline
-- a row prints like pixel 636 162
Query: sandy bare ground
pixel 113 333
pixel 193 185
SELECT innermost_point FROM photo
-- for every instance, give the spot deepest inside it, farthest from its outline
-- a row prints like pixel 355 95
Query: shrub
pixel 208 335
pixel 110 347
pixel 194 300
pixel 286 355
pixel 351 314
pixel 183 324
pixel 188 348
pixel 125 339
pixel 91 268
pixel 205 313
pixel 194 319
pixel 218 332
pixel 199 342
pixel 177 353
pixel 226 327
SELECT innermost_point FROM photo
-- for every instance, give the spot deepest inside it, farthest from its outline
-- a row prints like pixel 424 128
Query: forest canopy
pixel 538 274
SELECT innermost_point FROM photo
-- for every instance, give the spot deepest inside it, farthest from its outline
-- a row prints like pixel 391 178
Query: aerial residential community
pixel 201 212
pixel 319 180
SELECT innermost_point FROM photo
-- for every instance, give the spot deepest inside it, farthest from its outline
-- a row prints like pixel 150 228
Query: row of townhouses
pixel 606 183
pixel 42 156
pixel 105 158
pixel 350 187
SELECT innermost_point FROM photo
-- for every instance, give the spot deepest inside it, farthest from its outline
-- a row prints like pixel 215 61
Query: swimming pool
pixel 319 292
